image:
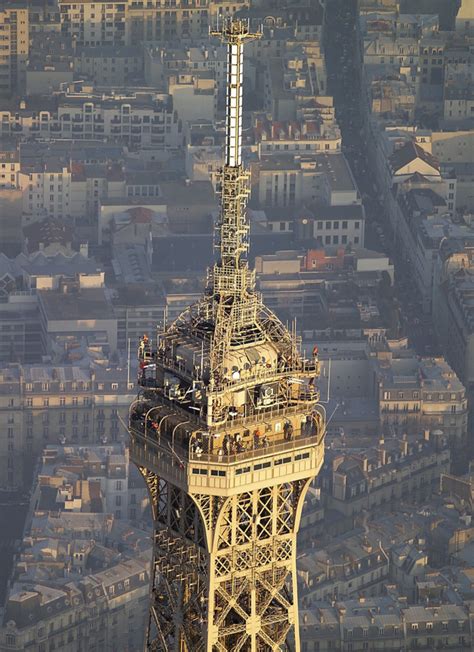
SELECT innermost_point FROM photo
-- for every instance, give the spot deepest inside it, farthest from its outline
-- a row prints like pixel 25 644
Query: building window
pixel 357 225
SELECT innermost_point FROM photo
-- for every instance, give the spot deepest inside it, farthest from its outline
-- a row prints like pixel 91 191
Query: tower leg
pixel 253 592
pixel 224 570
pixel 179 571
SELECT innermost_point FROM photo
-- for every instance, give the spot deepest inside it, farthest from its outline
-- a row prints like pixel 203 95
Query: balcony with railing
pixel 193 459
pixel 257 428
pixel 301 402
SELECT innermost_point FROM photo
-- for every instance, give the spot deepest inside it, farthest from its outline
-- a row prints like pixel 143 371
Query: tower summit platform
pixel 228 432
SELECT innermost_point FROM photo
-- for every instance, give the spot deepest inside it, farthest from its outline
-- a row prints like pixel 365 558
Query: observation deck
pixel 260 448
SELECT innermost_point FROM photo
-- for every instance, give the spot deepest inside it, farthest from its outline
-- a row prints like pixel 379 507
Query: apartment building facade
pixel 289 179
pixel 386 624
pixel 42 405
pixel 139 120
pixel 103 611
pixel 14 49
pixel 452 309
pixel 94 23
pixel 396 470
pixel 416 395
pixel 129 22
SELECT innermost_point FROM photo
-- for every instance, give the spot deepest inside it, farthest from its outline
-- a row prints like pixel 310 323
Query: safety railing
pixel 195 450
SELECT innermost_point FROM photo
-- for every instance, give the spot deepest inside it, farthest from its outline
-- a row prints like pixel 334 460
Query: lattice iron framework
pixel 227 432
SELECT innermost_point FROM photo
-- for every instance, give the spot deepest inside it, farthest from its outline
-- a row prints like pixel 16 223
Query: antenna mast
pixel 231 282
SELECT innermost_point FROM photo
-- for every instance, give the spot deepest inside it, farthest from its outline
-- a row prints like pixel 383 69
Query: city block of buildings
pixel 81 574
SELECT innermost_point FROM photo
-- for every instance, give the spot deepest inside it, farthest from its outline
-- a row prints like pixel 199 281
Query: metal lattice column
pixel 224 569
pixel 252 596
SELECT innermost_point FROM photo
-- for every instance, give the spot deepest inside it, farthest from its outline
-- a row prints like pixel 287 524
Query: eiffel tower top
pixel 227 432
pixel 229 341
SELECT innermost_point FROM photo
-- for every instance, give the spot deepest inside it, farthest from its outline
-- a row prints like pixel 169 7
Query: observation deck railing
pixel 277 443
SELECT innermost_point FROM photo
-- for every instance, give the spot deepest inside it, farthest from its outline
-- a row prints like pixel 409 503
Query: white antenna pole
pixel 329 378
pixel 329 383
pixel 128 363
pixel 202 359
pixel 332 414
